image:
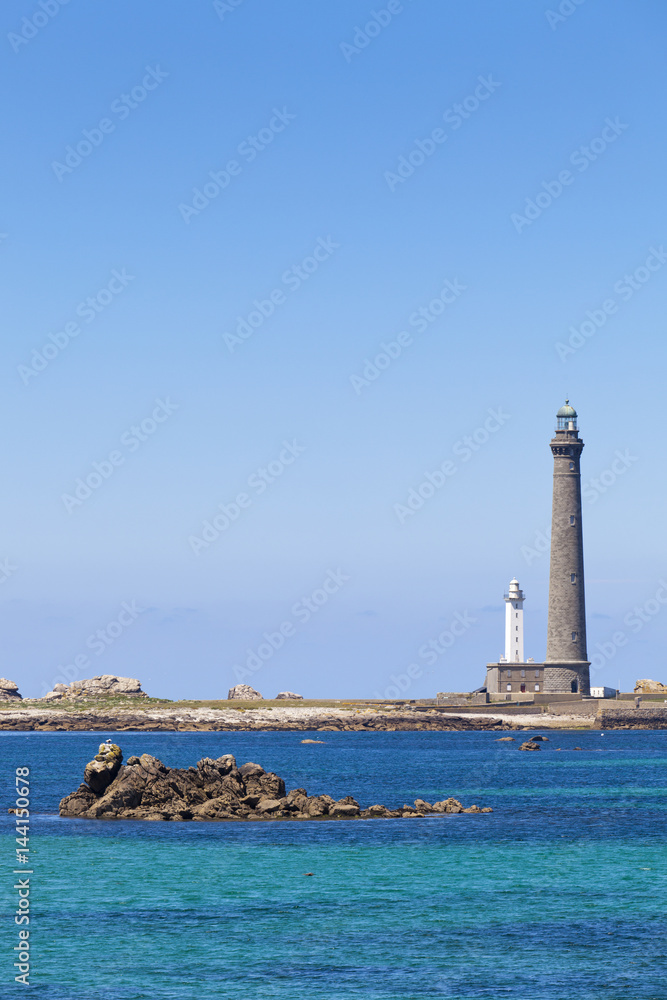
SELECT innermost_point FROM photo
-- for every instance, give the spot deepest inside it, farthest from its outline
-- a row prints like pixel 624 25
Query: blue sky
pixel 498 167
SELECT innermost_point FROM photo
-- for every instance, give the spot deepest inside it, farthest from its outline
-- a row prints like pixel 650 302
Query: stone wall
pixel 587 708
pixel 622 716
pixel 559 677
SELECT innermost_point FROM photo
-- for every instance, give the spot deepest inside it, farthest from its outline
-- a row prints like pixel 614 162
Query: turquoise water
pixel 559 893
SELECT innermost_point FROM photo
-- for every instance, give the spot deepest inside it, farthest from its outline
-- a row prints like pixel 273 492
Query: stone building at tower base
pixel 570 676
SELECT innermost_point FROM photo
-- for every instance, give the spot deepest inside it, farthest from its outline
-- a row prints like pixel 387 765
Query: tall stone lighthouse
pixel 566 664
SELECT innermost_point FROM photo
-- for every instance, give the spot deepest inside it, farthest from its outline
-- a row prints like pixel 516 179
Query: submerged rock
pixel 144 788
pixel 529 745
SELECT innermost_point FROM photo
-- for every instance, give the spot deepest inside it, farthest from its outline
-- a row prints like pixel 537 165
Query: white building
pixel 514 623
pixel 603 692
pixel 514 676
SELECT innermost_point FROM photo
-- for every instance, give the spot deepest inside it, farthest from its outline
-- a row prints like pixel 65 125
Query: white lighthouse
pixel 514 623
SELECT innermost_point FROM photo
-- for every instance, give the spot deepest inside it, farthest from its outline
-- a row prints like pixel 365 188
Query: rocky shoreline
pixel 294 719
pixel 215 790
pixel 297 718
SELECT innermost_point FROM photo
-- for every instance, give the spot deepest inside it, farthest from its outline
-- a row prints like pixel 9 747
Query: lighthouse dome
pixel 566 418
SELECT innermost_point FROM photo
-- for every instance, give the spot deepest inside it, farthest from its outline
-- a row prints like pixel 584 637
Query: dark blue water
pixel 559 893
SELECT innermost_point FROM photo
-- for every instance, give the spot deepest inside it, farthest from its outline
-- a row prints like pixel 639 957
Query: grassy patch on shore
pixel 86 704
pixel 165 704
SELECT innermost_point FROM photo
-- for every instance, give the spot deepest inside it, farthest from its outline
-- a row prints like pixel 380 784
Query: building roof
pixel 567 410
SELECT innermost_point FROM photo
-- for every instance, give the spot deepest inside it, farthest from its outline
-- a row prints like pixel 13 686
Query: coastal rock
pixel 243 692
pixel 269 785
pixel 649 687
pixel 268 805
pixel 289 696
pixel 102 770
pixel 9 691
pixel 530 746
pixel 106 684
pixel 345 809
pixel 448 806
pixel 79 802
pixel 506 739
pixel 316 806
pixel 422 806
pixel 539 739
pixel 376 811
pixel 222 766
pixel 103 686
pixel 251 770
pixel 214 790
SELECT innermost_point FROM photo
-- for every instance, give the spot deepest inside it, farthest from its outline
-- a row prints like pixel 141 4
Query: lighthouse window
pixel 574 637
pixel 571 466
pixel 571 518
pixel 516 628
pixel 523 673
pixel 537 687
pixel 509 687
pixel 516 615
pixel 573 577
pixel 537 673
pixel 509 673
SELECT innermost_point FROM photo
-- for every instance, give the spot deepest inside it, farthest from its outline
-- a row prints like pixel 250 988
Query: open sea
pixel 559 894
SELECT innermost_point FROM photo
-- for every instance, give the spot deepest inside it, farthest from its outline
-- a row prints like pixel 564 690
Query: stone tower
pixel 566 665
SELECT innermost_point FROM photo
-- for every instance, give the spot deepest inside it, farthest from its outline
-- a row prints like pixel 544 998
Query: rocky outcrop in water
pixel 104 686
pixel 530 746
pixel 104 767
pixel 9 691
pixel 243 692
pixel 214 790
